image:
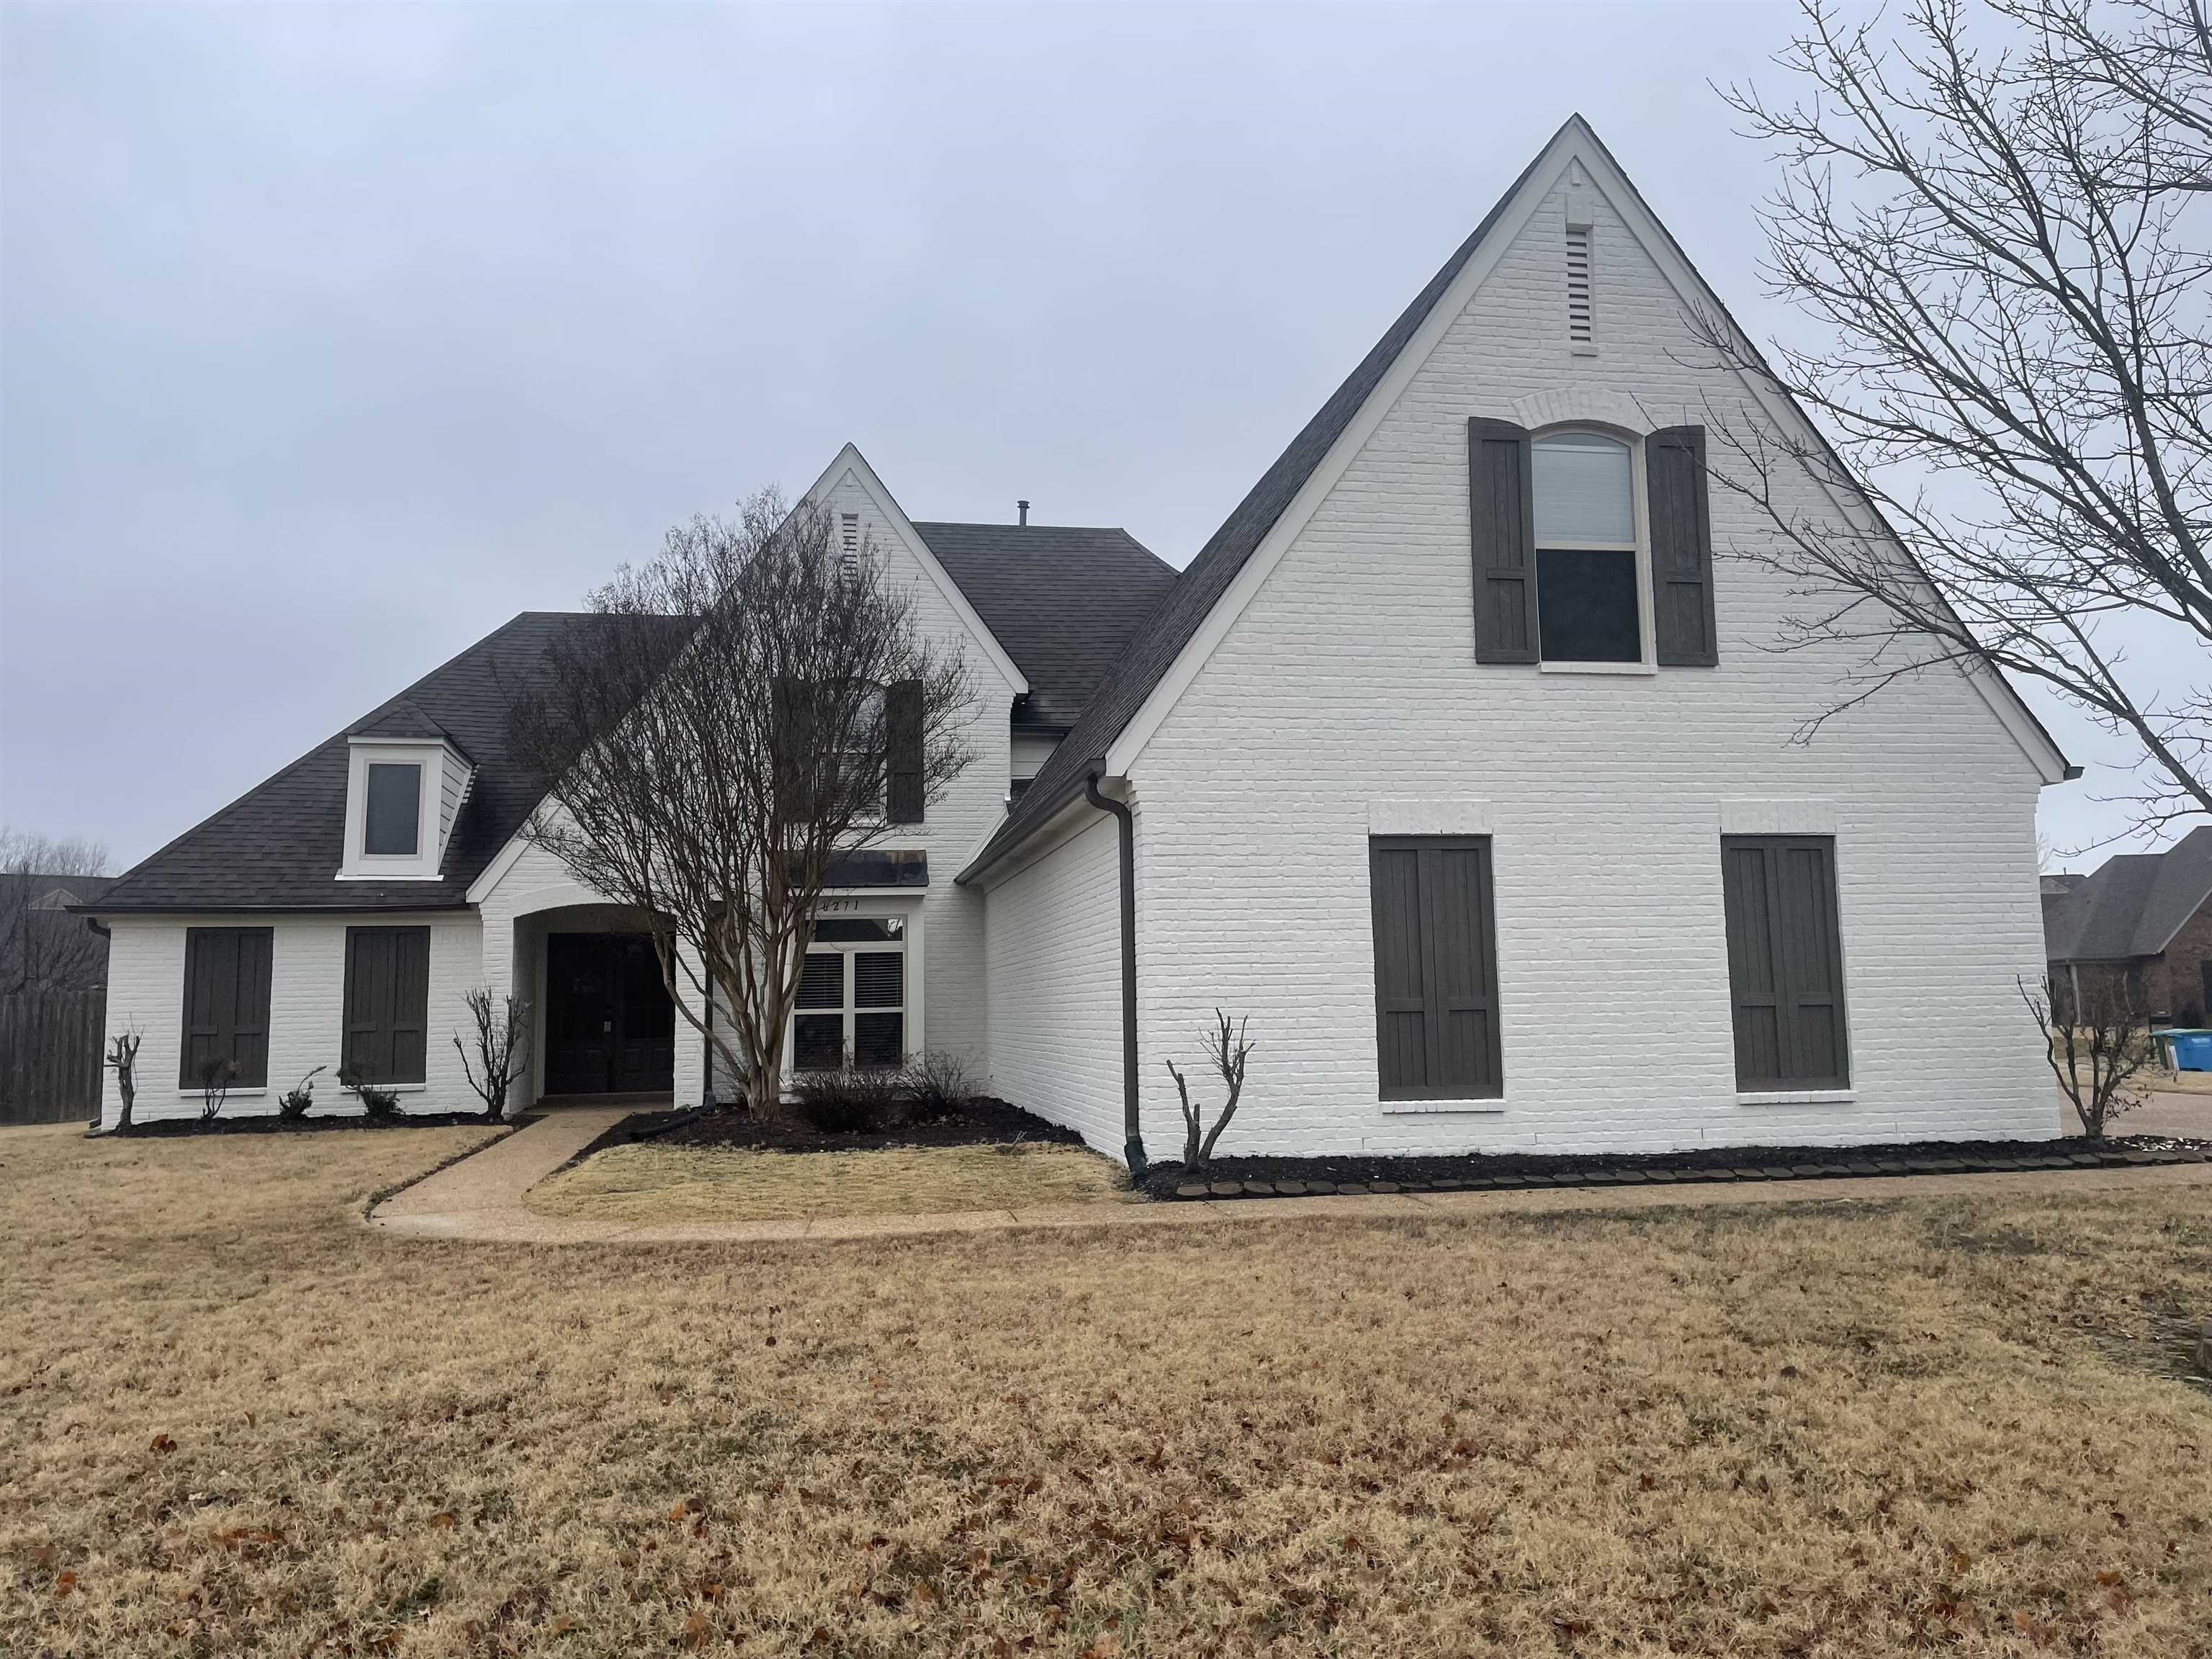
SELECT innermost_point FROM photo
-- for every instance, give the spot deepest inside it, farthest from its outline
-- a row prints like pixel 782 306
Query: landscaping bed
pixel 1296 1177
pixel 268 1123
pixel 980 1120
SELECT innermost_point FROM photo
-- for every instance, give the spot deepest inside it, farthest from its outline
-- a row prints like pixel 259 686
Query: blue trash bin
pixel 2192 1051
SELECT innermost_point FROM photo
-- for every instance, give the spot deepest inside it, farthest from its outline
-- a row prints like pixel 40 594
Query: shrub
pixel 215 1075
pixel 851 1099
pixel 295 1101
pixel 938 1085
pixel 375 1101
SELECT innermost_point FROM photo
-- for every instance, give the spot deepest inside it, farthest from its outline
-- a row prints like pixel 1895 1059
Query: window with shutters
pixel 1435 968
pixel 852 995
pixel 1587 552
pixel 387 1001
pixel 1591 553
pixel 226 1019
pixel 1785 962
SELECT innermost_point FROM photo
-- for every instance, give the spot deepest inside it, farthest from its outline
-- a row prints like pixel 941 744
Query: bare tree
pixel 1226 1051
pixel 499 1050
pixel 758 702
pixel 42 947
pixel 1997 219
pixel 122 1059
pixel 2099 1027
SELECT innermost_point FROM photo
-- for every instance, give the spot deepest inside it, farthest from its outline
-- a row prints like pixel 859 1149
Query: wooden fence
pixel 50 1052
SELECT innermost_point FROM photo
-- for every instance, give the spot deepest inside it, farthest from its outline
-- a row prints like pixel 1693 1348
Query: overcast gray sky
pixel 331 337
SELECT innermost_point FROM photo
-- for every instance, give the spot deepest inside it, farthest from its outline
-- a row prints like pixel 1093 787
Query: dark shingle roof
pixel 1160 640
pixel 1062 600
pixel 278 846
pixel 2131 907
pixel 400 719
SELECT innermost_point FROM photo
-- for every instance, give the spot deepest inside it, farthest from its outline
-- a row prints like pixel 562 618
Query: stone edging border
pixel 1662 1174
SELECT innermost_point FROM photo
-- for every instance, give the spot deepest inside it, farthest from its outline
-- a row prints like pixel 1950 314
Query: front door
pixel 609 1027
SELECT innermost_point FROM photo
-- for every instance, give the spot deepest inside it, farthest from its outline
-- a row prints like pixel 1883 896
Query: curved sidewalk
pixel 480 1198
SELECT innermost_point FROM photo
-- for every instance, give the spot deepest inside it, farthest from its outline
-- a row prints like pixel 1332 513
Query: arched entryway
pixel 604 1024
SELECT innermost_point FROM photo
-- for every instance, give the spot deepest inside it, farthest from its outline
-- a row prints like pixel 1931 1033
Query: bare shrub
pixel 937 1085
pixel 216 1074
pixel 1226 1052
pixel 500 1051
pixel 850 1099
pixel 2103 1031
pixel 123 1061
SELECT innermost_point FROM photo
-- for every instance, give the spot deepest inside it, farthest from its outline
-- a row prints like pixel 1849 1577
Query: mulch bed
pixel 268 1123
pixel 983 1121
pixel 1296 1177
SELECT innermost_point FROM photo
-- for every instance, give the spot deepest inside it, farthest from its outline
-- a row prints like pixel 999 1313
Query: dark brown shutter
pixel 387 996
pixel 795 763
pixel 1682 549
pixel 226 1015
pixel 1435 968
pixel 1785 961
pixel 902 764
pixel 1502 518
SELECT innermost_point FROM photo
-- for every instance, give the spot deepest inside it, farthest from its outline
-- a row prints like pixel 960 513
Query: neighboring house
pixel 1456 761
pixel 2143 922
pixel 44 946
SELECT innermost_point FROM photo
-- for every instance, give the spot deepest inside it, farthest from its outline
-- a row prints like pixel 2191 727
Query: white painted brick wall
pixel 1351 679
pixel 306 997
pixel 1055 987
pixel 957 1012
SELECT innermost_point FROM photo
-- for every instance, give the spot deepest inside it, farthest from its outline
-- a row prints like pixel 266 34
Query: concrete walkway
pixel 481 1197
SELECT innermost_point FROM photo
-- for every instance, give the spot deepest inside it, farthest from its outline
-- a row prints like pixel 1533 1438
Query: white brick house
pixel 1454 760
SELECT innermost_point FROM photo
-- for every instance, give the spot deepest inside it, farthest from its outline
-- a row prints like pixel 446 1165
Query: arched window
pixel 1586 548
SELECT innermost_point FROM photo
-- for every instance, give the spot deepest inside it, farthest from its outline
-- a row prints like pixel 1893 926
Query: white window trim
pixel 860 905
pixel 1640 507
pixel 421 864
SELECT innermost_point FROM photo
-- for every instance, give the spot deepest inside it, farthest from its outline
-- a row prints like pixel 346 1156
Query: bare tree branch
pixel 1996 217
pixel 739 719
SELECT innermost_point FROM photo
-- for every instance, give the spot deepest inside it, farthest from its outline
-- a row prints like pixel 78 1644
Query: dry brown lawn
pixel 661 1183
pixel 233 1421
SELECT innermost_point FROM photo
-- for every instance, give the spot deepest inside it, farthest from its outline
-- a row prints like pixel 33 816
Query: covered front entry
pixel 609 1026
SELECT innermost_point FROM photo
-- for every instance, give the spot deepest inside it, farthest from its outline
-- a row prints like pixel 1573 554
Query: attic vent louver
pixel 1578 284
pixel 849 557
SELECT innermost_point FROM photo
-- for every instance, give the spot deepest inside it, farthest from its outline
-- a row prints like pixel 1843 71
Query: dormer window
pixel 407 781
pixel 391 825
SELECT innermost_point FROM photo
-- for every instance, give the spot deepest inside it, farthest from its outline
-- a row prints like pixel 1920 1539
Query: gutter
pixel 1132 1146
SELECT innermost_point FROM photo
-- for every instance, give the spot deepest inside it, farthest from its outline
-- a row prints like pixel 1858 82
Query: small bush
pixel 295 1102
pixel 851 1099
pixel 937 1087
pixel 375 1101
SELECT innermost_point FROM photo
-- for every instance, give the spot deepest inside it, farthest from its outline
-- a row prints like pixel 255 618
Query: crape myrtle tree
pixel 753 704
pixel 1998 218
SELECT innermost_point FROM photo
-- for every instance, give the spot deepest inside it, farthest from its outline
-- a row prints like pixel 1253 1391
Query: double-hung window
pixel 852 995
pixel 1586 549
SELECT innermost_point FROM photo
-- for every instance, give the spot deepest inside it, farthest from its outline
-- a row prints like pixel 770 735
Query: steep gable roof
pixel 279 845
pixel 2132 905
pixel 1165 634
pixel 1161 642
pixel 1063 599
